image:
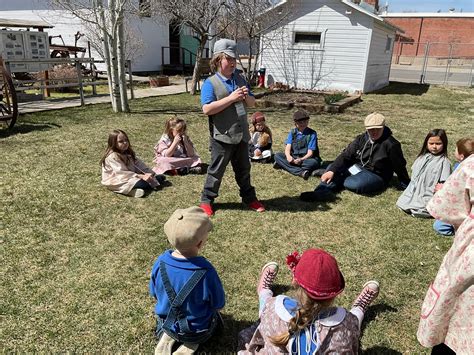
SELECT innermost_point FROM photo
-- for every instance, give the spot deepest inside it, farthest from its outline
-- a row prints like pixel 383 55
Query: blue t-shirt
pixel 313 140
pixel 205 299
pixel 207 90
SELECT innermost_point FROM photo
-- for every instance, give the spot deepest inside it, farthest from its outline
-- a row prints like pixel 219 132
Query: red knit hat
pixel 317 272
pixel 257 117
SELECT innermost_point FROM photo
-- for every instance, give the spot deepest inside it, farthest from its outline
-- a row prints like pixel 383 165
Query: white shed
pixel 328 45
pixel 150 35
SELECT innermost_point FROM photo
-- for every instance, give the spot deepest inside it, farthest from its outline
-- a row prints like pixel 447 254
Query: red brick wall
pixel 443 30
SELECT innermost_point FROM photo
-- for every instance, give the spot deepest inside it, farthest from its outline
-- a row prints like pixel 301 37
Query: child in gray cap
pixel 186 286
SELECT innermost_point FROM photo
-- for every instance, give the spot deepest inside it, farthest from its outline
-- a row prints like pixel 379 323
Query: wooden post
pixel 94 78
pixel 46 92
pixel 79 81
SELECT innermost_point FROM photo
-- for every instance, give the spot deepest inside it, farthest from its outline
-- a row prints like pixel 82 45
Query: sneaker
pixel 165 345
pixel 195 170
pixel 257 206
pixel 207 207
pixel 183 171
pixel 305 174
pixel 137 193
pixel 318 172
pixel 268 276
pixel 369 293
pixel 276 166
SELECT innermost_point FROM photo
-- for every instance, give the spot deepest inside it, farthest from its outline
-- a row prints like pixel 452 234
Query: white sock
pixel 359 313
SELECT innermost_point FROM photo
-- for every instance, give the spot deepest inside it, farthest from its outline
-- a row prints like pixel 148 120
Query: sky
pixel 428 5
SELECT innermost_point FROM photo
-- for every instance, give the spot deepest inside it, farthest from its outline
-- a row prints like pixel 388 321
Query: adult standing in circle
pixel 225 97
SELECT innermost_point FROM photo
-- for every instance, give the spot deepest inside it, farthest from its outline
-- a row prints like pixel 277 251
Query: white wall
pixel 378 64
pixel 150 34
pixel 343 54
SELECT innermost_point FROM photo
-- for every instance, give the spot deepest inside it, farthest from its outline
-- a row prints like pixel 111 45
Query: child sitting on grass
pixel 123 172
pixel 186 286
pixel 431 167
pixel 308 323
pixel 260 145
pixel 175 153
pixel 301 156
pixel 464 148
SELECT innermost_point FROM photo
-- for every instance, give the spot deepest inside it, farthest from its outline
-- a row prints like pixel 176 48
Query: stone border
pixel 335 107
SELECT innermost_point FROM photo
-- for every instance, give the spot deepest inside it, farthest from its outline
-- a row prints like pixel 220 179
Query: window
pixel 308 37
pixel 144 8
pixel 388 44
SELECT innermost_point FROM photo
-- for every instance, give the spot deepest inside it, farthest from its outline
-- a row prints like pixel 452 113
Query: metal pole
pixel 425 63
pixel 79 81
pixel 471 82
pixel 130 79
pixel 448 64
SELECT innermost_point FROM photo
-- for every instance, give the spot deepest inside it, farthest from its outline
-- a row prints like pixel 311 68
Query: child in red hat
pixel 308 323
pixel 260 144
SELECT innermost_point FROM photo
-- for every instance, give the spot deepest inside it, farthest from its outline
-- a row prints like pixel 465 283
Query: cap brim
pixel 370 127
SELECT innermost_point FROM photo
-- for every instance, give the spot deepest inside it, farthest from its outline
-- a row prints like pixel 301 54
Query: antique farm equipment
pixel 8 99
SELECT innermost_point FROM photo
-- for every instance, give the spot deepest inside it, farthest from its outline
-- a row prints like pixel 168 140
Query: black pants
pixel 221 155
pixel 442 349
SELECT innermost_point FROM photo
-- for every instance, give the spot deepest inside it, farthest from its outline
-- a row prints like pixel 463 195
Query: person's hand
pixel 245 91
pixel 438 187
pixel 298 161
pixel 290 159
pixel 177 138
pixel 257 152
pixel 327 176
pixel 238 94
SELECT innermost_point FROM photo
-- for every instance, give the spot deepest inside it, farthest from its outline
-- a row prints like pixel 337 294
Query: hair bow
pixel 292 260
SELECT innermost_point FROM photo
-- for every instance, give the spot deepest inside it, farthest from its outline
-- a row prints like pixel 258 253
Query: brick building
pixel 444 35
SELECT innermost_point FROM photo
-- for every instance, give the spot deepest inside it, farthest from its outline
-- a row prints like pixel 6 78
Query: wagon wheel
pixel 8 99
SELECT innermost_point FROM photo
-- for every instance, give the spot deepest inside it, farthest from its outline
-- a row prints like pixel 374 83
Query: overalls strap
pixel 176 313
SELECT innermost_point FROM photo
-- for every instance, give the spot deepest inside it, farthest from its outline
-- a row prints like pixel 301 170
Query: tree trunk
pixel 113 58
pixel 105 39
pixel 121 62
pixel 197 66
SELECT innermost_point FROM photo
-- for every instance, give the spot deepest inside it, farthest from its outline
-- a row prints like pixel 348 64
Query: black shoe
pixel 318 195
pixel 276 166
pixel 318 172
pixel 305 174
pixel 196 170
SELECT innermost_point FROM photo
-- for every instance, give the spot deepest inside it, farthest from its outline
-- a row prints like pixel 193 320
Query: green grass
pixel 76 258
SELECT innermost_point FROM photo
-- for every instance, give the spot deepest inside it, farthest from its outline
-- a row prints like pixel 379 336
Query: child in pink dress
pixel 175 153
pixel 447 321
pixel 308 323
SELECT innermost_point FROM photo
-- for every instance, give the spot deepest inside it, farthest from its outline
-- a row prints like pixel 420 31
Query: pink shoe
pixel 268 276
pixel 257 206
pixel 368 294
pixel 207 207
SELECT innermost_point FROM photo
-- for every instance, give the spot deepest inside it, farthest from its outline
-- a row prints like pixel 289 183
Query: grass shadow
pixel 375 350
pixel 227 339
pixel 167 111
pixel 372 313
pixel 24 128
pixel 279 204
pixel 399 88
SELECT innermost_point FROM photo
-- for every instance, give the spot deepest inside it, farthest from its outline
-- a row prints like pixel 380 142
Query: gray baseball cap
pixel 226 46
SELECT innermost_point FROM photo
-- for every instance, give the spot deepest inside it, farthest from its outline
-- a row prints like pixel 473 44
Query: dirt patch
pixel 310 101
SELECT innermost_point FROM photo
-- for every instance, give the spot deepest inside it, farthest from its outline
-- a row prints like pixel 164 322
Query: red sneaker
pixel 257 206
pixel 206 207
